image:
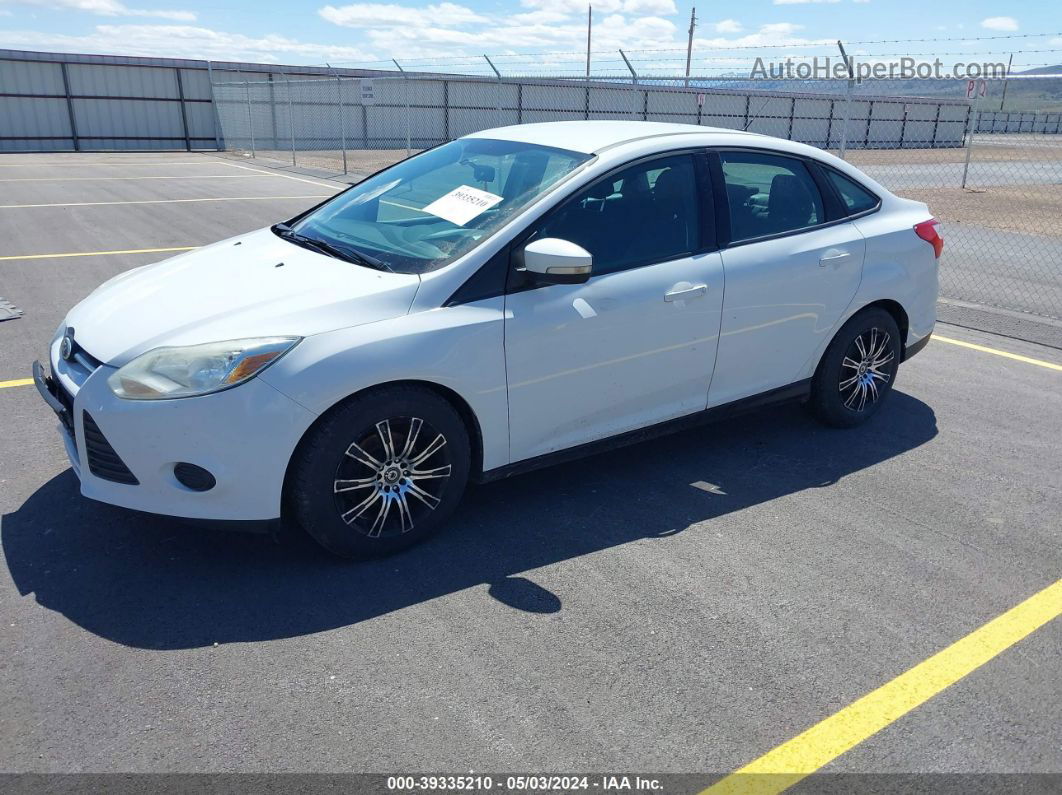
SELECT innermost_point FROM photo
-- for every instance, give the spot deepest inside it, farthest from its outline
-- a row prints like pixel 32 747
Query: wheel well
pixel 468 417
pixel 899 315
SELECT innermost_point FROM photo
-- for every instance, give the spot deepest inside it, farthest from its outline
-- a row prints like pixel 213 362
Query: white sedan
pixel 505 300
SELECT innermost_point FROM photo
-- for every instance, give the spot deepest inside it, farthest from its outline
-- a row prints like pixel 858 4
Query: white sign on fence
pixel 368 92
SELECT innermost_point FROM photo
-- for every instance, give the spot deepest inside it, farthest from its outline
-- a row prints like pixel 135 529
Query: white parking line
pixel 182 176
pixel 122 163
pixel 285 176
pixel 165 201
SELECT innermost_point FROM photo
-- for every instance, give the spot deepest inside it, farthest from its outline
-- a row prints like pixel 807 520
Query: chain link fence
pixel 993 178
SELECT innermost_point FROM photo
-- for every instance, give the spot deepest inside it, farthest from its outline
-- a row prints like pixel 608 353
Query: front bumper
pixel 243 436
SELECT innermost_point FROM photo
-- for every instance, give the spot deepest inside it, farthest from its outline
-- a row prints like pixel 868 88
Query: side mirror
pixel 556 261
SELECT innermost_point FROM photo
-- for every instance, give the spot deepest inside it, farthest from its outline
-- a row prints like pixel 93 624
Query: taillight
pixel 929 231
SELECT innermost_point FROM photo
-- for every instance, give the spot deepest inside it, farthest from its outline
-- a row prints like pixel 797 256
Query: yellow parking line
pixel 16 382
pixel 984 349
pixel 162 201
pixel 100 253
pixel 792 761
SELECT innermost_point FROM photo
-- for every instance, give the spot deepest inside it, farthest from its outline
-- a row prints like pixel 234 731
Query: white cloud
pixel 610 33
pixel 802 2
pixel 537 17
pixel 1000 23
pixel 728 26
pixel 185 41
pixel 773 34
pixel 655 7
pixel 577 8
pixel 382 15
pixel 107 8
pixel 573 7
pixel 448 29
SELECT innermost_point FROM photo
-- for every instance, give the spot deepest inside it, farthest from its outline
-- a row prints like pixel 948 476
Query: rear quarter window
pixel 856 198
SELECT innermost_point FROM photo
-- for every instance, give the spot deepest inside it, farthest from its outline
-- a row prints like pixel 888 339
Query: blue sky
pixel 426 33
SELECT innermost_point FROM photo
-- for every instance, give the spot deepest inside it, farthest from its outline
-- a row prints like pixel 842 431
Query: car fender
pixel 460 348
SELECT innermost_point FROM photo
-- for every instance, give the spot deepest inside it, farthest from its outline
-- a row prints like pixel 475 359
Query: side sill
pixel 796 391
pixel 911 350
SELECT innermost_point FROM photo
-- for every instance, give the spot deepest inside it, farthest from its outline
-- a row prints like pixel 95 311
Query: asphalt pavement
pixel 683 605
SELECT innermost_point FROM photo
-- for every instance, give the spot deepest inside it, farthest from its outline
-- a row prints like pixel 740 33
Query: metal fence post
pixel 634 82
pixel 847 99
pixel 291 120
pixel 446 109
pixel 184 111
pixel 70 108
pixel 498 77
pixel 342 122
pixel 273 111
pixel 969 138
pixel 829 123
pixel 214 105
pixel 405 81
pixel 250 119
pixel 847 117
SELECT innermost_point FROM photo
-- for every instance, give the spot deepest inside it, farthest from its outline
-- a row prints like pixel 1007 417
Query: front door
pixel 634 345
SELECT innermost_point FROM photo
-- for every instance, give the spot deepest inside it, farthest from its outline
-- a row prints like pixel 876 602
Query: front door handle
pixel 685 290
pixel 834 255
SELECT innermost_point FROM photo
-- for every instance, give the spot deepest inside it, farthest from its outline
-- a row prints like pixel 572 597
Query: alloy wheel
pixel 392 477
pixel 865 369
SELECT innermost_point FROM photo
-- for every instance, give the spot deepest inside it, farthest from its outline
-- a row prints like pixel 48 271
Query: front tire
pixel 382 472
pixel 858 370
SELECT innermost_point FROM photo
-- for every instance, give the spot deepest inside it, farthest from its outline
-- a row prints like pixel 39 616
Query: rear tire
pixel 380 473
pixel 857 370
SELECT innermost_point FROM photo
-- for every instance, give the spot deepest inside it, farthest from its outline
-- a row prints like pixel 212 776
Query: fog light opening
pixel 193 477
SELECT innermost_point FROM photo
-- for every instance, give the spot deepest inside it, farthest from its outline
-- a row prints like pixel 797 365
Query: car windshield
pixel 429 210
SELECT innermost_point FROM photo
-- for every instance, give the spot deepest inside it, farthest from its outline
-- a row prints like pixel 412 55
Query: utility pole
pixel 1005 81
pixel 589 26
pixel 689 44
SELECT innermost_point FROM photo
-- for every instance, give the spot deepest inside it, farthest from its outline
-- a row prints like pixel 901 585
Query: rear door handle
pixel 687 290
pixel 833 256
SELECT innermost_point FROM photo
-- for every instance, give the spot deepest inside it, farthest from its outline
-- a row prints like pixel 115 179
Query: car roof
pixel 591 137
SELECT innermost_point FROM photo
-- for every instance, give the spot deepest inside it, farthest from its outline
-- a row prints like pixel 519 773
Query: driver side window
pixel 644 214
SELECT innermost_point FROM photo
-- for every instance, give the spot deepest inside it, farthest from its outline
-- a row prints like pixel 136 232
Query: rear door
pixel 793 264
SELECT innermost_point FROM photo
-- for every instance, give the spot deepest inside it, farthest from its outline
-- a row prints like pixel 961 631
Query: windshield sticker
pixel 462 204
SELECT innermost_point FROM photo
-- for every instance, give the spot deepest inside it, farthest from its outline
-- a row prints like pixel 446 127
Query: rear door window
pixel 769 194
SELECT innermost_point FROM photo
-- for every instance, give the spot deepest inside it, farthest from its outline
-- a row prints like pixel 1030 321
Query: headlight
pixel 196 369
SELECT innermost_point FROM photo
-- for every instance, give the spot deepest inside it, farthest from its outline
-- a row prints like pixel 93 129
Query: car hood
pixel 254 285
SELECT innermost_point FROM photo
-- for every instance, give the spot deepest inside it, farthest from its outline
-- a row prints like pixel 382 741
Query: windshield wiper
pixel 330 249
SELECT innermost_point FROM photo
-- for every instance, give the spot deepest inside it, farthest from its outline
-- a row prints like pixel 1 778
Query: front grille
pixel 103 461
